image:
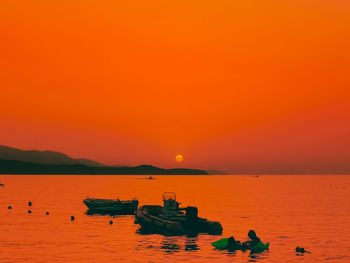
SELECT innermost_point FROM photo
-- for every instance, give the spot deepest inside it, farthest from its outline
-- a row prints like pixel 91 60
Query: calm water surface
pixel 287 211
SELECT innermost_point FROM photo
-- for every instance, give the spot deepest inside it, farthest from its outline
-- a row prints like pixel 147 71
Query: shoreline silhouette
pixel 17 161
pixel 19 167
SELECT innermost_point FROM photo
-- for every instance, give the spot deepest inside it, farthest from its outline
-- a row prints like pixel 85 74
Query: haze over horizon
pixel 230 86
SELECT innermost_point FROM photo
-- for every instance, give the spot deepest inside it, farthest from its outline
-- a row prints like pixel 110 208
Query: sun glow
pixel 179 158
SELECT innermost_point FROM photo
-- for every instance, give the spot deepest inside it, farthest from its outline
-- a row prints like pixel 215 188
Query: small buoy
pixel 72 218
pixel 111 222
pixel 29 203
pixel 29 211
pixel 301 250
pixel 47 213
pixel 9 207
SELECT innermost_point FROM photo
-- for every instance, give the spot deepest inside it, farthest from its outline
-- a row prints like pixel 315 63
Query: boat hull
pixel 105 206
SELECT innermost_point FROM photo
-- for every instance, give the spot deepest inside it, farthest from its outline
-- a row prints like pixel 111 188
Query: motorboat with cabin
pixel 171 219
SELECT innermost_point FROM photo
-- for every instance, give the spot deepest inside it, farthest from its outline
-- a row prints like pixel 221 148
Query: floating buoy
pixel 29 203
pixel 111 222
pixel 29 211
pixel 301 250
pixel 9 207
pixel 72 218
pixel 47 213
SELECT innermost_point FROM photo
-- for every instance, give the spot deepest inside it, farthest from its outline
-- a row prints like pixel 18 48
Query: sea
pixel 310 211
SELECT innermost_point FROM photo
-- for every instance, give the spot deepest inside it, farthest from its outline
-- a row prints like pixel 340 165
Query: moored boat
pixel 111 206
pixel 171 219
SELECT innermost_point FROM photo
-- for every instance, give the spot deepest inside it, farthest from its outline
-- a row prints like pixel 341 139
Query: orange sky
pixel 229 84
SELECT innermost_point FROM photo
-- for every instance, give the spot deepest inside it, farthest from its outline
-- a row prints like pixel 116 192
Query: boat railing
pixel 134 199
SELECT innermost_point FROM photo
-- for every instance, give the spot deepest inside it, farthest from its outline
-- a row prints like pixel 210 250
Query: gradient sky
pixel 229 84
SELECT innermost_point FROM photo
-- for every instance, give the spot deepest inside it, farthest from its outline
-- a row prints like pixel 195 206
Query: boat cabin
pixel 170 205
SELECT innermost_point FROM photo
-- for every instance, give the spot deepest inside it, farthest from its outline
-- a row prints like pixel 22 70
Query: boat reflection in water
pixel 170 244
pixel 111 206
pixel 191 244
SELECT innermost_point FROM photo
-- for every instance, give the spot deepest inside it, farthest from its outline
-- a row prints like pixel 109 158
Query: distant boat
pixel 170 219
pixel 148 178
pixel 111 206
pixel 2 185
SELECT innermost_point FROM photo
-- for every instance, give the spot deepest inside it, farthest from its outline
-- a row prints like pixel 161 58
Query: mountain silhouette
pixel 19 167
pixel 16 161
pixel 42 157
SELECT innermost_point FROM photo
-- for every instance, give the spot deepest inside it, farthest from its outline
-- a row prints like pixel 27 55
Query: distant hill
pixel 43 157
pixel 20 167
pixel 119 165
pixel 216 172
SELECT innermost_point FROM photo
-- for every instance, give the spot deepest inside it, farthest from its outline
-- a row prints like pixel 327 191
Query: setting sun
pixel 179 158
pixel 98 96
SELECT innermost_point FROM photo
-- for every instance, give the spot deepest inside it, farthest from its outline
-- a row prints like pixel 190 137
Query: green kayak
pixel 221 243
pixel 260 247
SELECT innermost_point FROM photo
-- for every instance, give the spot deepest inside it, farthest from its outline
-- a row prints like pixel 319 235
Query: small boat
pixel 111 206
pixel 171 219
pixel 148 178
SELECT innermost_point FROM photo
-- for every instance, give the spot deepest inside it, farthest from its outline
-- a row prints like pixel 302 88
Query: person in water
pixel 233 244
pixel 254 240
